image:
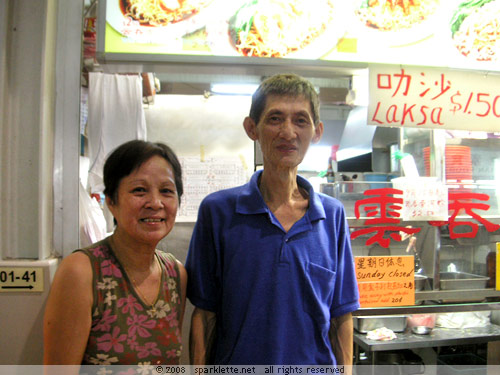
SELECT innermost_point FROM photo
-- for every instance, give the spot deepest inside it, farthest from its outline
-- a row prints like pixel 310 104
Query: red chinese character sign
pixel 467 204
pixel 433 98
pixel 385 280
pixel 382 208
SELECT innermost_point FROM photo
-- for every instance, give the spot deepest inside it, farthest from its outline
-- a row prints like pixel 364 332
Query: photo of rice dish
pixel 273 28
pixel 395 14
pixel 475 29
pixel 161 12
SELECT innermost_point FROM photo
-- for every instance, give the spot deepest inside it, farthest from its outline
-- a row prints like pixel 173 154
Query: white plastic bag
pixel 463 319
pixel 92 221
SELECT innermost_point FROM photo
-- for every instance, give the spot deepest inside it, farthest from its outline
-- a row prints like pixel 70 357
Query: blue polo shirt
pixel 274 292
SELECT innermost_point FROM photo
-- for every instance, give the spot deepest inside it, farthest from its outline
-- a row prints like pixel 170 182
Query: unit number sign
pixel 21 279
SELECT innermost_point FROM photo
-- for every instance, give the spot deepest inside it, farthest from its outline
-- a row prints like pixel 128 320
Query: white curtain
pixel 116 115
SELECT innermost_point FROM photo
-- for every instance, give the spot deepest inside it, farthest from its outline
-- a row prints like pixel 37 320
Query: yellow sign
pixel 21 279
pixel 385 280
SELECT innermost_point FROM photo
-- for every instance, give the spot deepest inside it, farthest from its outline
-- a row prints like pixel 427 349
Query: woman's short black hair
pixel 129 156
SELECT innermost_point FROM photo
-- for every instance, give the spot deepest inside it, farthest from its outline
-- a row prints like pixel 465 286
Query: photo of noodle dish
pixel 161 12
pixel 475 29
pixel 151 20
pixel 392 15
pixel 280 28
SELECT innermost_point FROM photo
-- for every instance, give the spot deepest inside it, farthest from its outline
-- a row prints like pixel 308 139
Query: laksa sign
pixel 435 99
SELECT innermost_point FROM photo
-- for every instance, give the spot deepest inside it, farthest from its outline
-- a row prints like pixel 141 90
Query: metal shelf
pixel 438 337
pixel 428 309
pixel 463 295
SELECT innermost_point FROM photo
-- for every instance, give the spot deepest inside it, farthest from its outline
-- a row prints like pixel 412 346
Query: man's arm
pixel 341 338
pixel 202 337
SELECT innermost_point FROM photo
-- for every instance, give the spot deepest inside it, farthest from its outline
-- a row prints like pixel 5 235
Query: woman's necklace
pixel 152 307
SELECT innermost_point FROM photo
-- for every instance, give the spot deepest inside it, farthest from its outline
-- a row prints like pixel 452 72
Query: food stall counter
pixel 438 337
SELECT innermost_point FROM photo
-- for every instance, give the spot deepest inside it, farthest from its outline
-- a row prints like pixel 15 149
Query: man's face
pixel 285 130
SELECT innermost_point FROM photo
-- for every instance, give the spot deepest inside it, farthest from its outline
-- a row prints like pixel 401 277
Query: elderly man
pixel 271 273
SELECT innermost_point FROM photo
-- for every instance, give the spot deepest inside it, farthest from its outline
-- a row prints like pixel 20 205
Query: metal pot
pixel 420 282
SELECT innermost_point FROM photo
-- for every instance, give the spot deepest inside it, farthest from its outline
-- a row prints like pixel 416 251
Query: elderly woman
pixel 121 301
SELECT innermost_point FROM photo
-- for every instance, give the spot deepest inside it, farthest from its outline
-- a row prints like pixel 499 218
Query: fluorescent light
pixel 234 88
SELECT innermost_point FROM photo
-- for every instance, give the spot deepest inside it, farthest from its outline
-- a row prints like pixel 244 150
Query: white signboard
pixel 424 198
pixel 434 98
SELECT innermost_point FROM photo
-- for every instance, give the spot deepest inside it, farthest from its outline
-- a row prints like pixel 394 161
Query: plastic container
pixel 407 163
pixel 377 179
pixel 421 320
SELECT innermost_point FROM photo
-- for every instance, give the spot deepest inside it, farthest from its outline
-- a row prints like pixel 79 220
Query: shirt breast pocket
pixel 318 291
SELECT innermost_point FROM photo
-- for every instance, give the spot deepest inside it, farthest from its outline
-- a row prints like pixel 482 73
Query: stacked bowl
pixel 458 163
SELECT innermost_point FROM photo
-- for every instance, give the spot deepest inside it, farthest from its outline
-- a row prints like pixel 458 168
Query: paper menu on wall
pixel 202 177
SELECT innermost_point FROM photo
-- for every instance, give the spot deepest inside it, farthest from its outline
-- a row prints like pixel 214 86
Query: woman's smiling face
pixel 146 203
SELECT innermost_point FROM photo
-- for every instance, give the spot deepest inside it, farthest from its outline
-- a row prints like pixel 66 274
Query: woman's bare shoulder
pixel 75 267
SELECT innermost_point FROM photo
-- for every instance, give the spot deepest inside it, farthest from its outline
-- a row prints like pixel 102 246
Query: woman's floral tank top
pixel 125 330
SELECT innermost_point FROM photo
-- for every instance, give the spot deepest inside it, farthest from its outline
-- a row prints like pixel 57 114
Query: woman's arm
pixel 68 314
pixel 183 277
pixel 202 337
